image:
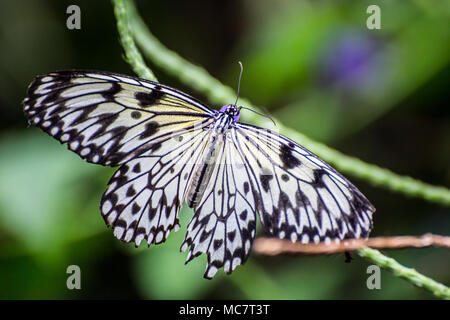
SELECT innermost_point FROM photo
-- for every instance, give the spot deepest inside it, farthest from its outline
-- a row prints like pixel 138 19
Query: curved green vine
pixel 132 54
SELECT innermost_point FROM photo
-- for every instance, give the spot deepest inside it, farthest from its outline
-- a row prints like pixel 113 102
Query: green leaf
pixel 162 274
pixel 44 200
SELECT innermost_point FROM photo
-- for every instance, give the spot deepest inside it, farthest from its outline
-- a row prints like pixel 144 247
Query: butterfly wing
pixel 108 118
pixel 224 222
pixel 145 194
pixel 153 131
pixel 299 196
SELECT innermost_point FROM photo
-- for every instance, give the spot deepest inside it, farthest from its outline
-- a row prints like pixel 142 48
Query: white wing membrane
pixel 108 118
pixel 224 223
pixel 299 196
pixel 146 193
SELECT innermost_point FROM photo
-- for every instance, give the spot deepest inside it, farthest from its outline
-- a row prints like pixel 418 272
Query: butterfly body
pixel 225 118
pixel 171 148
pixel 204 168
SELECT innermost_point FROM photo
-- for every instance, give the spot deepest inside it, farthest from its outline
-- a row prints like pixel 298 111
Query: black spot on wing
pixel 120 223
pixel 136 114
pixel 318 181
pixel 110 93
pixel 150 129
pixel 265 179
pixel 137 168
pixel 147 99
pixel 136 208
pixel 246 187
pixel 156 146
pixel 243 215
pixel 287 157
pixel 131 191
pixel 301 199
pixel 321 210
pixel 204 235
pixel 217 243
pixel 152 213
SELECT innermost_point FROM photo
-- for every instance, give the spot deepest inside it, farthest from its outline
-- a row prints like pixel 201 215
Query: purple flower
pixel 349 60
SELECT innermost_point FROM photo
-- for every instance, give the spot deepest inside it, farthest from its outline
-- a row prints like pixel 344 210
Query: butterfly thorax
pixel 226 117
pixel 203 169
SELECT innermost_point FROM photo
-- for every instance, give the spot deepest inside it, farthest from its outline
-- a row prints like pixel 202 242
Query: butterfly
pixel 172 148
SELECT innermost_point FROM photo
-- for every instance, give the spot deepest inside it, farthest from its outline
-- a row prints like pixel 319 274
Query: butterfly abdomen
pixel 205 166
pixel 204 169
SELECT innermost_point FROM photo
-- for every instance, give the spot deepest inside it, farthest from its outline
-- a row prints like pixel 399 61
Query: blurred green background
pixel 380 95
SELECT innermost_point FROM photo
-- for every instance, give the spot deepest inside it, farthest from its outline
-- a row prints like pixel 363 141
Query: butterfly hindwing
pixel 224 222
pixel 108 118
pixel 299 196
pixel 146 193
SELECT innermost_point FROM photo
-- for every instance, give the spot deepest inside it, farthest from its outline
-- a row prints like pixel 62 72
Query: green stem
pixel 409 274
pixel 132 54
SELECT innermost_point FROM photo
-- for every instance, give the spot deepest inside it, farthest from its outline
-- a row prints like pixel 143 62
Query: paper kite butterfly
pixel 171 148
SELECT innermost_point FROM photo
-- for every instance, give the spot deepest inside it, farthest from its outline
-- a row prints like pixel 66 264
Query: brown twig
pixel 272 246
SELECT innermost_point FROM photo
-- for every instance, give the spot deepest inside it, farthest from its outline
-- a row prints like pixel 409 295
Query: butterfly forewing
pixel 108 118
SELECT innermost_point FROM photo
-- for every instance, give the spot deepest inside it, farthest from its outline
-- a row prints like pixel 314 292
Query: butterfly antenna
pixel 235 103
pixel 261 114
pixel 239 83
